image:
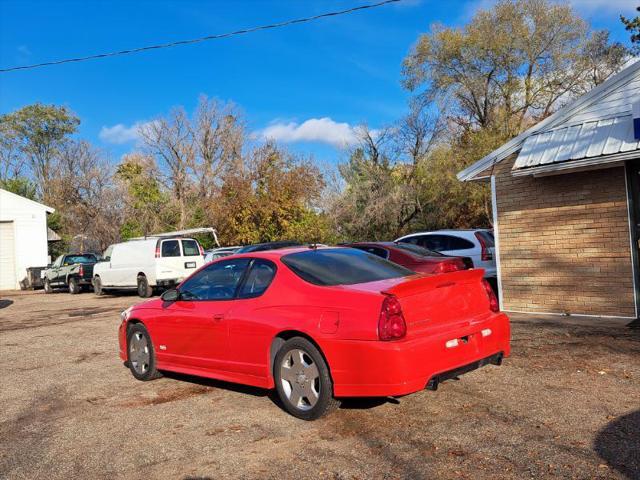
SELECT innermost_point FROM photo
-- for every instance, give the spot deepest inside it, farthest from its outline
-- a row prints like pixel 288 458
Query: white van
pixel 146 264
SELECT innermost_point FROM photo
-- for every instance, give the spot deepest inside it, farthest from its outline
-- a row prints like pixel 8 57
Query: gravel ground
pixel 566 404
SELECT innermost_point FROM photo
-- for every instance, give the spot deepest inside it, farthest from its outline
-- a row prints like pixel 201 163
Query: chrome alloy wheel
pixel 300 379
pixel 139 353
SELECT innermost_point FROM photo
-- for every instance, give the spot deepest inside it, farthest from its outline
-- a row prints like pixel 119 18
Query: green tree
pixel 632 25
pixel 39 133
pixel 147 207
pixel 20 186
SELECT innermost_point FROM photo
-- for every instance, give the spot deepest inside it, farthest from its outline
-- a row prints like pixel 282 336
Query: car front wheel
pixel 303 381
pixel 140 354
pixel 47 286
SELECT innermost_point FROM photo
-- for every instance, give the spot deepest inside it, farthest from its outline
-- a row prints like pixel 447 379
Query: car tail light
pixel 201 250
pixel 449 266
pixel 158 250
pixel 485 253
pixel 493 300
pixel 81 270
pixel 391 325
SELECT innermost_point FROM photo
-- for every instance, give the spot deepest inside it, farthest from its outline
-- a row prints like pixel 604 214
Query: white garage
pixel 23 238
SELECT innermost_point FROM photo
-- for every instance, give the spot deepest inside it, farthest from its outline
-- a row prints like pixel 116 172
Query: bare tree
pixel 171 142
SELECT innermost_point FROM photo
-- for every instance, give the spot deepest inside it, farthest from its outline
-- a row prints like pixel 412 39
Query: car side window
pixel 457 243
pixel 258 279
pixel 217 281
pixel 170 248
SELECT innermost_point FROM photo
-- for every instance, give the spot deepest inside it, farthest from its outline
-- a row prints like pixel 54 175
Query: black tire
pixel 304 409
pixel 74 286
pixel 144 289
pixel 97 286
pixel 47 286
pixel 141 363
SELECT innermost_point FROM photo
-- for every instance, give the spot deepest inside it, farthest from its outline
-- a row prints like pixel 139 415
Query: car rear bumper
pixel 375 368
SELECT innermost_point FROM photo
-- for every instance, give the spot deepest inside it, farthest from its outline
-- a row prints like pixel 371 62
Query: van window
pixel 190 248
pixel 170 248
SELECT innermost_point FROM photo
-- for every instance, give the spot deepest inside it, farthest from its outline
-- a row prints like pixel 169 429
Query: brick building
pixel 566 206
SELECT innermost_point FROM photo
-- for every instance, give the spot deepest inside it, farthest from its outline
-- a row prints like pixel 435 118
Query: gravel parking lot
pixel 566 404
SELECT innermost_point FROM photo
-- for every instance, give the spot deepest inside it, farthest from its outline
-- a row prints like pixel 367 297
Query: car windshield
pixel 342 266
pixel 71 259
pixel 418 251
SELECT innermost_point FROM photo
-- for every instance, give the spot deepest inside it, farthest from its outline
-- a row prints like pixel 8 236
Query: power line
pixel 201 39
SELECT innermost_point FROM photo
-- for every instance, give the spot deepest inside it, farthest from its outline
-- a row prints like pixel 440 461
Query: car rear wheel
pixel 74 287
pixel 144 289
pixel 303 381
pixel 47 286
pixel 97 286
pixel 141 354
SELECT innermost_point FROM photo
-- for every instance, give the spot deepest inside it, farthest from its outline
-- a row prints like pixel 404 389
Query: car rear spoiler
pixel 416 284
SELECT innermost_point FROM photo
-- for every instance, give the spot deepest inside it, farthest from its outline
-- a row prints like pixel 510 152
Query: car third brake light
pixel 391 325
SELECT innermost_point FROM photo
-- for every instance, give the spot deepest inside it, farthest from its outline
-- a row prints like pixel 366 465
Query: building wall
pixel 564 242
pixel 30 231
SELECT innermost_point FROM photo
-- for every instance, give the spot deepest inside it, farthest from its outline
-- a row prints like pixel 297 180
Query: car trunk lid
pixel 438 302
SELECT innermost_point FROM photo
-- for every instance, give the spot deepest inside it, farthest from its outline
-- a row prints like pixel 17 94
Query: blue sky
pixel 332 74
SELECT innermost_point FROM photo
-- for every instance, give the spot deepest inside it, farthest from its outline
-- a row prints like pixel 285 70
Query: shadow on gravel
pixel 5 303
pixel 363 403
pixel 618 444
pixel 209 382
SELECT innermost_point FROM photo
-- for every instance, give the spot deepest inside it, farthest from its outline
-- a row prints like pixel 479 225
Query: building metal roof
pixel 575 142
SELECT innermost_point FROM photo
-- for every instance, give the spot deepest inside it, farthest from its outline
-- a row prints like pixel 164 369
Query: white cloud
pixel 323 130
pixel 120 133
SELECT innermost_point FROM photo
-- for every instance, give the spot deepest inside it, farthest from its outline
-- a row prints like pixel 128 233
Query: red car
pixel 413 257
pixel 318 325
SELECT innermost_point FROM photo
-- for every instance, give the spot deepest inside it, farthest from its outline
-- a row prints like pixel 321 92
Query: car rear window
pixel 418 251
pixel 71 259
pixel 342 266
pixel 190 248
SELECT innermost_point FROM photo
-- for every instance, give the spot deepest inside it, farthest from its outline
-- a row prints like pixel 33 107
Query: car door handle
pixel 218 316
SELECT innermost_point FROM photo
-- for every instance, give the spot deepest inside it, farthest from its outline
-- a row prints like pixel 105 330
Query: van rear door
pixel 178 259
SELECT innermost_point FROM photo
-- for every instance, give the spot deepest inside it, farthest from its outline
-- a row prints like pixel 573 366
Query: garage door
pixel 7 257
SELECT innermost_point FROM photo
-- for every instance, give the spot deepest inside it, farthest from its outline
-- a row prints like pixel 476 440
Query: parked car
pixel 412 256
pixel 262 247
pixel 215 253
pixel 317 324
pixel 73 271
pixel 477 244
pixel 147 264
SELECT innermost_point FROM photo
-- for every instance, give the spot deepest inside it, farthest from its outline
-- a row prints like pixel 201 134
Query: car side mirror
pixel 170 295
